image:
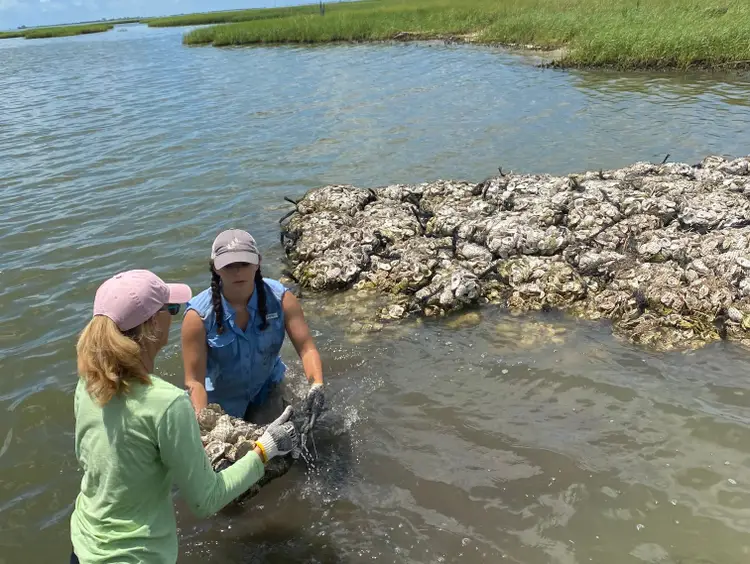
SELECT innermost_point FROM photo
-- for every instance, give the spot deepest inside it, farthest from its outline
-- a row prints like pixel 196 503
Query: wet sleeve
pixel 181 450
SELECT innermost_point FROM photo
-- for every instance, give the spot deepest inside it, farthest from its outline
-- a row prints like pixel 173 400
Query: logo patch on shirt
pixel 272 316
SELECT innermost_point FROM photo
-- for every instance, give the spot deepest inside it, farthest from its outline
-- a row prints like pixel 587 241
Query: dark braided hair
pixel 216 298
pixel 260 287
pixel 219 308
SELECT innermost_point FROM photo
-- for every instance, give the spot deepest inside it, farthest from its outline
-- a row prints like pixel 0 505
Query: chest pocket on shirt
pixel 270 340
pixel 223 349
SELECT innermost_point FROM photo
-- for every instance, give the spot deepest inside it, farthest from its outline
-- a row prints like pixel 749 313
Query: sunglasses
pixel 173 309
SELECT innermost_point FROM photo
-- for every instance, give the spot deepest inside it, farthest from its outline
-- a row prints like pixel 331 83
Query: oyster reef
pixel 660 250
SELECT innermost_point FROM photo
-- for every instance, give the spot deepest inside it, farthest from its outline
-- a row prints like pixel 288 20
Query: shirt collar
pixel 229 312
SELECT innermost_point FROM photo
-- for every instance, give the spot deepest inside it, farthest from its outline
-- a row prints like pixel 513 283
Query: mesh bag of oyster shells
pixel 661 250
pixel 227 439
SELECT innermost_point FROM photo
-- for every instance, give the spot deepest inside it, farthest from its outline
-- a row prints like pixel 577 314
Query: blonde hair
pixel 108 359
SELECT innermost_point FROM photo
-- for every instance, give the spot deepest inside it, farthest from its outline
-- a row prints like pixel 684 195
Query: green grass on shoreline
pixel 56 31
pixel 233 16
pixel 594 33
pixel 255 14
pixel 623 34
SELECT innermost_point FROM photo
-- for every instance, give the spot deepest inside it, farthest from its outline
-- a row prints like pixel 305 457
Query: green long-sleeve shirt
pixel 132 451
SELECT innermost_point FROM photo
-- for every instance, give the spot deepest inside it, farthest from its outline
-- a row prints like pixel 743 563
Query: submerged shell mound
pixel 661 250
pixel 227 439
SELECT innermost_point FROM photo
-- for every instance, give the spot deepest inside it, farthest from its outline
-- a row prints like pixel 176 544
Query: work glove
pixel 313 406
pixel 279 438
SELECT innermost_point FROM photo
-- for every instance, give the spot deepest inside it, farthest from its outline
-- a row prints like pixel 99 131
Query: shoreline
pixel 621 35
pixel 662 251
pixel 56 31
pixel 555 57
pixel 551 57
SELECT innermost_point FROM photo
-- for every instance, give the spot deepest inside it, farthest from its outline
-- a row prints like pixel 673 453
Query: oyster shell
pixel 663 250
pixel 231 438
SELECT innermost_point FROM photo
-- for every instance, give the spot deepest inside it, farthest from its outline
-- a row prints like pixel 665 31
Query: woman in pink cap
pixel 136 435
pixel 232 334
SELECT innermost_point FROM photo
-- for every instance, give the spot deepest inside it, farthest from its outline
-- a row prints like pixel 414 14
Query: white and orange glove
pixel 280 437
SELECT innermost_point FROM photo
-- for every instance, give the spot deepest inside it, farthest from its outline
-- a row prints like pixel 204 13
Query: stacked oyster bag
pixel 661 250
pixel 226 439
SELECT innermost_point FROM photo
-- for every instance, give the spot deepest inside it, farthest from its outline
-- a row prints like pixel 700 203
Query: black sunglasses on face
pixel 173 309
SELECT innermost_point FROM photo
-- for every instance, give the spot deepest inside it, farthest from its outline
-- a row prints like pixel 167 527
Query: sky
pixel 14 13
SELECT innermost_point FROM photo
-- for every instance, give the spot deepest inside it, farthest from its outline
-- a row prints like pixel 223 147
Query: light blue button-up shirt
pixel 240 364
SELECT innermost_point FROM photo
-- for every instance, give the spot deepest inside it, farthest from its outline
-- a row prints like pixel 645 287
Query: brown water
pixel 480 438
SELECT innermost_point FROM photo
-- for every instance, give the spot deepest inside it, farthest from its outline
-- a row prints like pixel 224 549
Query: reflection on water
pixel 475 438
pixel 684 88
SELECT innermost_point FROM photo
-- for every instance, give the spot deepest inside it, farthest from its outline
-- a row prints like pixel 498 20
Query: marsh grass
pixel 236 16
pixel 594 33
pixel 229 17
pixel 57 31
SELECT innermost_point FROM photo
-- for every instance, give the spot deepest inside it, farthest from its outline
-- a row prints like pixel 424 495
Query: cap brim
pixel 179 293
pixel 240 256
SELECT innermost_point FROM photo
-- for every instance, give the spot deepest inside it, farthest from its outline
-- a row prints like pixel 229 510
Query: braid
pixel 216 298
pixel 260 287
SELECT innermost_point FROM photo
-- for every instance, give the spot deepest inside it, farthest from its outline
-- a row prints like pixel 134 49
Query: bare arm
pixel 194 359
pixel 299 333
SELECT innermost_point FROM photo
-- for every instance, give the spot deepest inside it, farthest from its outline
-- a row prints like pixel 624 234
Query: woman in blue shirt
pixel 232 333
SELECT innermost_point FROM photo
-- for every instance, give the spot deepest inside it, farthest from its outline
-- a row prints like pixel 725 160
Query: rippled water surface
pixel 479 438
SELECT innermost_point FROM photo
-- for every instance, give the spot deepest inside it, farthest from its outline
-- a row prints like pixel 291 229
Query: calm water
pixel 534 440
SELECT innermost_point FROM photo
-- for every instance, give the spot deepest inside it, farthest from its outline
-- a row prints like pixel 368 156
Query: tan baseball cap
pixel 234 245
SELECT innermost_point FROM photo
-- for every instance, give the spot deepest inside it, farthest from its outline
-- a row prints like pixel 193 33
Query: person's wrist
pixel 259 451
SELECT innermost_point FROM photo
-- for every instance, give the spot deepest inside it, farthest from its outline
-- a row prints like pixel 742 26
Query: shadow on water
pixel 274 526
pixel 283 522
pixel 276 543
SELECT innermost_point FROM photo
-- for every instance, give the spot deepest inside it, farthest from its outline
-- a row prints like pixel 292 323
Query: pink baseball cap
pixel 132 297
